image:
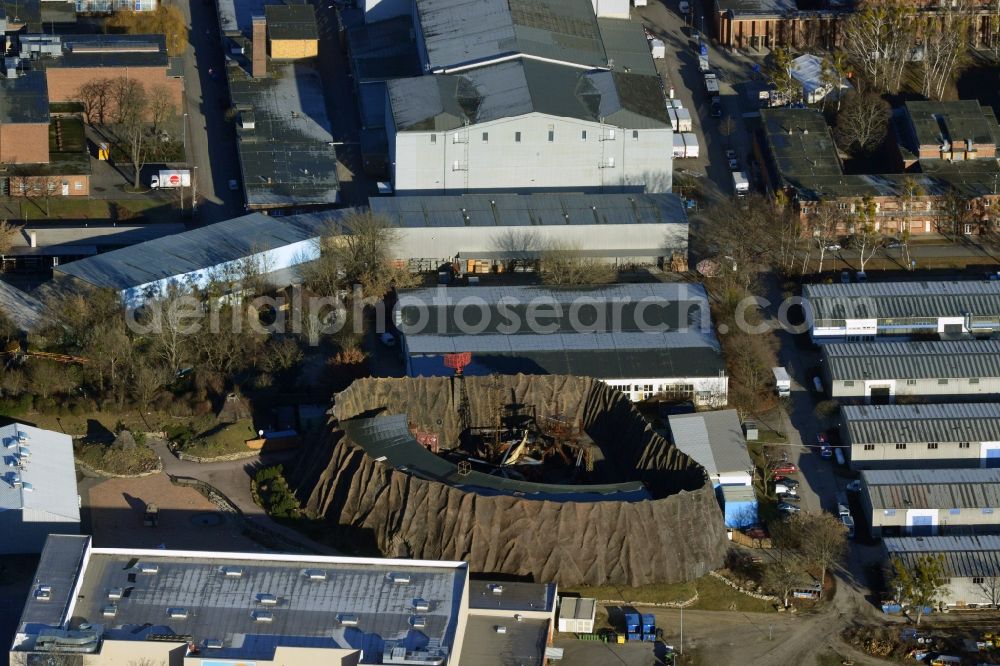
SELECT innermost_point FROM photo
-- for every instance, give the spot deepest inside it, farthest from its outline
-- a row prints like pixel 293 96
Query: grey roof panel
pixel 964 556
pixel 714 440
pixel 58 568
pixel 500 210
pixel 957 422
pixel 521 86
pixel 219 606
pixel 286 158
pixel 933 488
pixel 903 299
pixel 912 360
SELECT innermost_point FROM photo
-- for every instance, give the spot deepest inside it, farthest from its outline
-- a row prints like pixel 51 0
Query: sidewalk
pixel 231 478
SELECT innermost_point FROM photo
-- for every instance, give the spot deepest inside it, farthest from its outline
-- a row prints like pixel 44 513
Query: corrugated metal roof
pixel 574 608
pixel 198 249
pixel 964 556
pixel 24 311
pixel 912 360
pixel 903 299
pixel 955 422
pixel 47 473
pixel 714 440
pixel 522 86
pixel 933 488
pixel 541 209
pixel 456 32
pixel 635 364
pixel 615 309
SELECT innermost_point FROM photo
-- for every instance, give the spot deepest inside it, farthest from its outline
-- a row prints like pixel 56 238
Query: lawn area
pixel 145 209
pixel 88 422
pixel 650 594
pixel 72 208
pixel 713 594
pixel 220 440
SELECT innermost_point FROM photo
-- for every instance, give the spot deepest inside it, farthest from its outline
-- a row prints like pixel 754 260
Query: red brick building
pixel 948 181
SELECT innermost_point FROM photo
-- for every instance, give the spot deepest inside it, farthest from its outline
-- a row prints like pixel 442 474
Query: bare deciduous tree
pixel 823 541
pixel 867 238
pixel 130 109
pixel 364 250
pixel 823 221
pixel 989 590
pixel 95 95
pixel 835 70
pixel 944 47
pixel 520 247
pixel 878 39
pixel 8 232
pixel 863 122
pixel 161 106
pixel 567 265
pixel 780 73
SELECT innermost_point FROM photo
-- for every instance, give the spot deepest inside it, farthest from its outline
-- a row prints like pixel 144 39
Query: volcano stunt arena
pixel 554 477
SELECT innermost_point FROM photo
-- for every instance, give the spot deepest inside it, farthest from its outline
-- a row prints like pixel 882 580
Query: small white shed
pixel 576 615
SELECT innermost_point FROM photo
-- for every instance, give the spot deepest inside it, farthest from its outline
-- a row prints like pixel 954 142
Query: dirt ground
pixel 187 520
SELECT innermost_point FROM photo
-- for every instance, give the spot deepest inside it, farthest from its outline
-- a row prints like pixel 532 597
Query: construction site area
pixel 549 477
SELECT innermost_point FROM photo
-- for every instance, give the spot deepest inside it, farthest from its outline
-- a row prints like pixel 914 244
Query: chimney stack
pixel 258 68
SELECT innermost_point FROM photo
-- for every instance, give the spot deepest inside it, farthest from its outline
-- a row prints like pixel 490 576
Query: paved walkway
pixel 232 479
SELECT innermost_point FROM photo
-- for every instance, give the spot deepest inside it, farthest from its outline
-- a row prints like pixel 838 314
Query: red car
pixel 786 468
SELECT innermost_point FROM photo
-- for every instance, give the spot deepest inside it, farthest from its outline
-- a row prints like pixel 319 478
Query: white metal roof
pixel 714 440
pixel 913 360
pixel 38 472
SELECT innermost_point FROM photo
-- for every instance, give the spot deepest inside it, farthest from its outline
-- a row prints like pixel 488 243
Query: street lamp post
pixel 184 134
pixel 194 195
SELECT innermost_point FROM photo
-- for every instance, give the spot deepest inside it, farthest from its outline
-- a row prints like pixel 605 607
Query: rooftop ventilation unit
pixel 177 613
pixel 27 487
pixel 232 572
pixel 315 574
pixel 348 619
pixel 421 605
pixel 262 616
pixel 214 644
pixel 496 588
pixel 22 435
pixel 267 600
pixel 115 593
pixel 24 450
pixel 418 621
pixel 111 610
pixel 149 568
pixel 500 629
pixel 43 593
pixel 398 578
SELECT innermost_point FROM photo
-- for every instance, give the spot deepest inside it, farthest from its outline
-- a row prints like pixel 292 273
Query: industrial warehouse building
pixel 926 502
pixel 644 339
pixel 879 371
pixel 38 490
pixel 488 232
pixel 715 441
pixel 117 606
pixel 275 246
pixel 971 565
pixel 881 310
pixel 930 435
pixel 522 97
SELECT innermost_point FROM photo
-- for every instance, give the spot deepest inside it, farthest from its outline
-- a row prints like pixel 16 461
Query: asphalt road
pixel 211 139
